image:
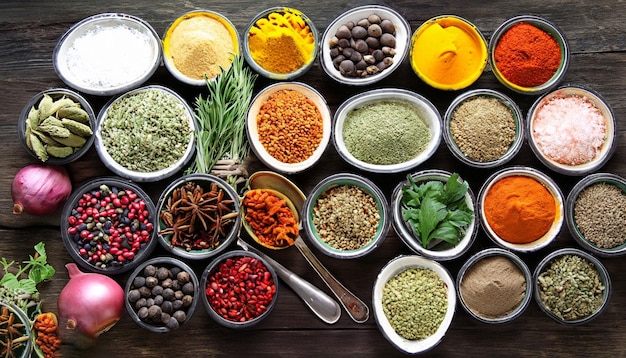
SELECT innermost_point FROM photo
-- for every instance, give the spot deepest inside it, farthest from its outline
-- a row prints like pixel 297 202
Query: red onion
pixel 91 303
pixel 40 189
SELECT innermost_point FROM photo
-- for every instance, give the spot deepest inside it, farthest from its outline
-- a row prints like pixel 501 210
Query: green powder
pixel 385 132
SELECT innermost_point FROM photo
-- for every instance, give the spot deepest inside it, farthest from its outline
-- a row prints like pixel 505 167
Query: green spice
pixel 571 287
pixel 600 213
pixel 415 302
pixel 146 131
pixel 385 132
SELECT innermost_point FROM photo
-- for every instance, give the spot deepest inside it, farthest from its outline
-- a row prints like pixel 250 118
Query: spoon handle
pixel 358 311
pixel 327 309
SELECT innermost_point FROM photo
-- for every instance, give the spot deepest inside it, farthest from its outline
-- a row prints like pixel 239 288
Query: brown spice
pixel 600 213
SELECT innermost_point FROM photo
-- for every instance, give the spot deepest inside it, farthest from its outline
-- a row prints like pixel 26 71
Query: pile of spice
pixel 415 302
pixel 146 131
pixel 346 217
pixel 290 126
pixel 571 287
pixel 519 209
pixel 527 56
pixel 282 42
pixel 493 287
pixel 272 221
pixel 13 333
pixel 569 130
pixel 483 128
pixel 600 214
pixel 385 132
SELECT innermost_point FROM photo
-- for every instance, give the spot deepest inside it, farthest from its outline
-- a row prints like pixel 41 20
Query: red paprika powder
pixel 527 56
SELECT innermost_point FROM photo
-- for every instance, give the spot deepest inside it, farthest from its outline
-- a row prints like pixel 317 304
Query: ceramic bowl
pixel 298 29
pixel 472 152
pixel 145 289
pixel 439 250
pixel 402 33
pixel 548 27
pixel 31 113
pixel 544 180
pixel 20 317
pixel 541 289
pixel 216 27
pixel 203 184
pixel 426 110
pixel 259 148
pixel 133 61
pixel 591 242
pixel 320 194
pixel 255 264
pixel 395 267
pixel 123 239
pixel 492 286
pixel 142 148
pixel 603 151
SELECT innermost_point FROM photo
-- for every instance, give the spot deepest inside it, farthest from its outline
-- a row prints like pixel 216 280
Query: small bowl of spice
pixel 289 126
pixel 414 301
pixel 483 128
pixel 595 214
pixel 198 45
pixel 108 225
pixel 495 286
pixel 198 216
pixel 387 130
pixel 571 286
pixel 521 209
pixel 364 45
pixel 572 130
pixel 107 54
pixel 346 216
pixel 146 134
pixel 435 236
pixel 448 52
pixel 16 334
pixel 225 302
pixel 56 126
pixel 529 54
pixel 162 294
pixel 281 43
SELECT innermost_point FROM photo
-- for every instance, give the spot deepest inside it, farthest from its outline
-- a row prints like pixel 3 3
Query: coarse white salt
pixel 110 56
pixel 569 130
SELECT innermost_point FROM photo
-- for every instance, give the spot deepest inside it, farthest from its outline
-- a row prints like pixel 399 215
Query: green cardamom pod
pixel 72 140
pixel 38 148
pixel 54 127
pixel 60 103
pixel 44 137
pixel 77 128
pixel 74 113
pixel 45 106
pixel 59 152
pixel 32 119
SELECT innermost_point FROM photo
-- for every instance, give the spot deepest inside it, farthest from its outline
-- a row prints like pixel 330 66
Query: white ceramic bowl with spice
pixel 568 276
pixel 151 142
pixel 390 271
pixel 78 140
pixel 280 141
pixel 572 130
pixel 387 151
pixel 437 249
pixel 594 214
pixel 208 192
pixel 107 54
pixel 395 24
pixel 495 286
pixel 522 205
pixel 346 216
pixel 483 128
pixel 187 41
pixel 544 26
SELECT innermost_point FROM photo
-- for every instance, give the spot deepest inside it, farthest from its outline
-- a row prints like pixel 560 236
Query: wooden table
pixel 595 30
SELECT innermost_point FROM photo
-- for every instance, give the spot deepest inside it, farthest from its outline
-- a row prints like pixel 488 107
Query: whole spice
pixel 385 132
pixel 13 334
pixel 600 214
pixel 46 327
pixel 415 302
pixel 290 126
pixel 271 220
pixel 519 209
pixel 526 55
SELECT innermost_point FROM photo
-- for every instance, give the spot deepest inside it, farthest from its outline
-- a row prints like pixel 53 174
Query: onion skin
pixel 40 189
pixel 90 303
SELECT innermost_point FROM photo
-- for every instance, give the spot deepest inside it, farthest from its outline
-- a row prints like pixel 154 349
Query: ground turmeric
pixel 271 219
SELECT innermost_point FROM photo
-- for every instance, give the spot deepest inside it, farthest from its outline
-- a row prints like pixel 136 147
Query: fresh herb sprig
pixel 437 210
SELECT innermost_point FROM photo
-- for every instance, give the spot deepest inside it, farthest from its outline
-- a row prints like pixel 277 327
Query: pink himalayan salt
pixel 569 130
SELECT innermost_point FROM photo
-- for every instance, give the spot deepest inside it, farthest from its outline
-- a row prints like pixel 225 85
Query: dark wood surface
pixel 595 29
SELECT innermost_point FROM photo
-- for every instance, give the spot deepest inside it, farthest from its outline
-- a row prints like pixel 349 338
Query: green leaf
pixel 27 285
pixel 454 190
pixel 459 218
pixel 446 232
pixel 431 213
pixel 9 280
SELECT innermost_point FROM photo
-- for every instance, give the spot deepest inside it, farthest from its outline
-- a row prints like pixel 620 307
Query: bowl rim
pixel 23 317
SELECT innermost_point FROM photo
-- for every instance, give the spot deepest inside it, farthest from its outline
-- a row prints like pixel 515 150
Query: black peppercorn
pixel 149 270
pixel 180 316
pixel 183 277
pixel 134 295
